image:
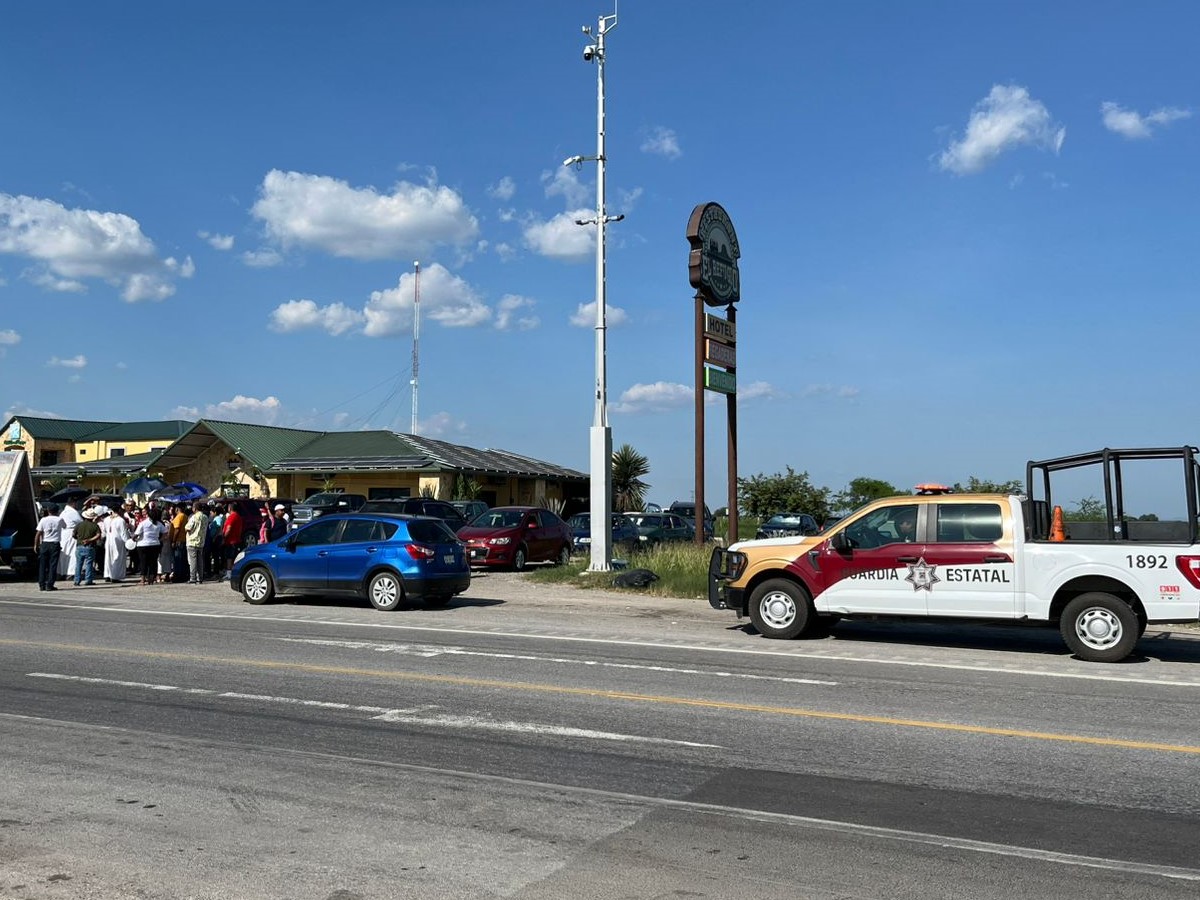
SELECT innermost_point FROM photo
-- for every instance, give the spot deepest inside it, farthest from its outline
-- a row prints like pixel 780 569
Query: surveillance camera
pixel 589 52
pixel 572 160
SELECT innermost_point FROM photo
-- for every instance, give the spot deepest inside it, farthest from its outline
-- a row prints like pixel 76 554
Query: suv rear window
pixel 430 531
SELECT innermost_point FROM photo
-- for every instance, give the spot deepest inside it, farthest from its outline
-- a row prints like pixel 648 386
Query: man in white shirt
pixel 47 541
pixel 70 518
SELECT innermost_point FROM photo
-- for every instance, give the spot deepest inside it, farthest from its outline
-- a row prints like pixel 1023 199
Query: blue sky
pixel 968 231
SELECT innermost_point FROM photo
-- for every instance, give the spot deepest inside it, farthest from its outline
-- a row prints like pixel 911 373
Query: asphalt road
pixel 542 742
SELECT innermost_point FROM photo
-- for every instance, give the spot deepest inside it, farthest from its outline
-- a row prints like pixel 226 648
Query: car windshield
pixel 582 520
pixel 647 521
pixel 499 518
pixel 784 521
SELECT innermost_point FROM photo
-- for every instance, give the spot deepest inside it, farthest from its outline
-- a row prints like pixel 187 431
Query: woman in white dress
pixel 116 556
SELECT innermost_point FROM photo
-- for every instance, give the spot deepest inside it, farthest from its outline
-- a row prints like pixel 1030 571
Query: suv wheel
pixel 257 587
pixel 385 591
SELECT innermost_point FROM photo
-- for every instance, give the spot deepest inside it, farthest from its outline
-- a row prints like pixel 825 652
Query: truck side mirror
pixel 840 542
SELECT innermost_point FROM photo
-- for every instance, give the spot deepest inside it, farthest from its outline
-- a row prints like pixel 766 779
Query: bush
pixel 682 570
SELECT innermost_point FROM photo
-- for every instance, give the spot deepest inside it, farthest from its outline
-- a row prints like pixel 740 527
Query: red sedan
pixel 512 536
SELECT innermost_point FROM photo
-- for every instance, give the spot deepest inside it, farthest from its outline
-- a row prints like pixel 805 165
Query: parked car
pixel 515 535
pixel 654 528
pixel 623 532
pixel 470 509
pixel 787 525
pixel 686 510
pixel 418 506
pixel 323 504
pixel 384 558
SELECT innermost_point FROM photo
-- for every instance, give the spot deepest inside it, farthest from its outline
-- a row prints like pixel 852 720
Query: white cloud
pixel 441 425
pixel 71 245
pixel 20 409
pixel 445 299
pixel 1133 125
pixel 75 362
pixel 585 315
pixel 262 258
pixel 504 189
pixel 506 310
pixel 360 223
pixel 295 315
pixel 505 251
pixel 1007 117
pixel 561 238
pixel 657 397
pixel 8 337
pixel 662 142
pixel 240 409
pixel 564 182
pixel 759 390
pixel 48 282
pixel 217 241
pixel 844 392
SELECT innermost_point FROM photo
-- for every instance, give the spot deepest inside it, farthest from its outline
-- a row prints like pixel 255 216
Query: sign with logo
pixel 712 263
pixel 720 381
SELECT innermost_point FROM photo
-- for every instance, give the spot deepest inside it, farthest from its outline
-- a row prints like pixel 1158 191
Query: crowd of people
pixel 155 543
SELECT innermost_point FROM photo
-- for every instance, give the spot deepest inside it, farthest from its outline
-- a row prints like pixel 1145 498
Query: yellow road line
pixel 625 695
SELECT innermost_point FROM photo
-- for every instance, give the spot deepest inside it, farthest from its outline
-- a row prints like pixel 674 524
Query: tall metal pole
pixel 416 356
pixel 600 435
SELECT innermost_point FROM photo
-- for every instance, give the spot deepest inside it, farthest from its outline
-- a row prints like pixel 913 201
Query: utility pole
pixel 600 435
pixel 416 356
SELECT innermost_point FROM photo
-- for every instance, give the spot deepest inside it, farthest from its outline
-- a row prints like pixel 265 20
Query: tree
pixel 765 495
pixel 1089 510
pixel 980 486
pixel 628 467
pixel 863 490
pixel 465 487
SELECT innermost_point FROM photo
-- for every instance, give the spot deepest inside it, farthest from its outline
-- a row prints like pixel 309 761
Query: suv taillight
pixel 420 551
pixel 1190 567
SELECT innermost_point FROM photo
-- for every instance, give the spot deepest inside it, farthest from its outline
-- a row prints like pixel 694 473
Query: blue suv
pixel 384 558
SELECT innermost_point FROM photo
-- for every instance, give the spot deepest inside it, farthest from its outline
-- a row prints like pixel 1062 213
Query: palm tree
pixel 628 467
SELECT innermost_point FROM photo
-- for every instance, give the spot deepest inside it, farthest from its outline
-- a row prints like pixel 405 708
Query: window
pixel 969 523
pixel 359 531
pixel 430 531
pixel 48 458
pixel 388 493
pixel 116 451
pixel 83 451
pixel 320 532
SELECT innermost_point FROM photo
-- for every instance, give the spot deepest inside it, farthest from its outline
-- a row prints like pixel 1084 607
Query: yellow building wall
pixel 87 451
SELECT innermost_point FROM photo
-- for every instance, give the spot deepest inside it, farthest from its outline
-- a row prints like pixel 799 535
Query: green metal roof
pixel 114 465
pixel 59 429
pixel 143 431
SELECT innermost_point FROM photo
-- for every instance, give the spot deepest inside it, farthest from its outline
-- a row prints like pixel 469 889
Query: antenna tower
pixel 416 356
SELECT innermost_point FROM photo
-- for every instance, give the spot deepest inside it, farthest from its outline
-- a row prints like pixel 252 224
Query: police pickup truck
pixel 986 557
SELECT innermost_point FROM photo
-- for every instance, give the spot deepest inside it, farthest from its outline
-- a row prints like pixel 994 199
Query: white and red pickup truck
pixel 983 557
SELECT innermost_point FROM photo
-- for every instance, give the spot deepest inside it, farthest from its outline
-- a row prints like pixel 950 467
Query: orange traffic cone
pixel 1057 532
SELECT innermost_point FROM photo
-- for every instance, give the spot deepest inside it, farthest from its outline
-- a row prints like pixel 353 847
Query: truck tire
pixel 1099 627
pixel 780 609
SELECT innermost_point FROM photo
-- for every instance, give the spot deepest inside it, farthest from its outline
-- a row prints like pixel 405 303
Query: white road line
pixel 733 812
pixel 698 648
pixel 419 716
pixel 430 651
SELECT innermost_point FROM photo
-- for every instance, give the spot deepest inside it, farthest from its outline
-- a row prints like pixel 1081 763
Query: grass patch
pixel 682 571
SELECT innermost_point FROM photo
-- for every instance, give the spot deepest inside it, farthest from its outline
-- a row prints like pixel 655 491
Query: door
pixel 302 563
pixel 972 553
pixel 882 570
pixel 358 548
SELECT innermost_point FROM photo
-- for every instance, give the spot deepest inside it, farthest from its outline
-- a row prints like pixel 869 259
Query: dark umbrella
pixel 183 492
pixel 70 493
pixel 144 485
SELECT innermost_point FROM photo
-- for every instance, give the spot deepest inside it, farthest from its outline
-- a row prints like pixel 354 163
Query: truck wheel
pixel 780 609
pixel 1099 627
pixel 257 587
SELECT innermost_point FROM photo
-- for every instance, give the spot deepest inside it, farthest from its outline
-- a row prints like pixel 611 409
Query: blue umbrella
pixel 183 492
pixel 144 485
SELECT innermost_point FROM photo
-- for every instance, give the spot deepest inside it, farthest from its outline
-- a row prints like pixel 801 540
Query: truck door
pixel 881 570
pixel 974 563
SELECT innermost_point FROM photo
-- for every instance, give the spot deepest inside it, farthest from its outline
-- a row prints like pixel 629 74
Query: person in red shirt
pixel 231 533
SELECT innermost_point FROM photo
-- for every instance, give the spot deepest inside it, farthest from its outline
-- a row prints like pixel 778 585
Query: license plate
pixel 475 554
pixel 448 559
pixel 20 559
